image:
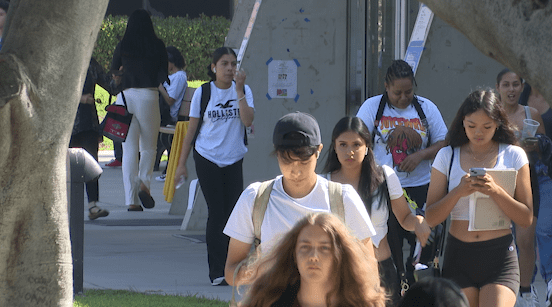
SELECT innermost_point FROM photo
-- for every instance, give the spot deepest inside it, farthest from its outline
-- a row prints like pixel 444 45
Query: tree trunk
pixel 516 33
pixel 45 55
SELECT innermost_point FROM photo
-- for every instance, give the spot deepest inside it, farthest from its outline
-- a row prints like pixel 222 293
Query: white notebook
pixel 484 213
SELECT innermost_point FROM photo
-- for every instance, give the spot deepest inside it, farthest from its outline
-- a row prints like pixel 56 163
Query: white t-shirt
pixel 179 83
pixel 509 156
pixel 379 216
pixel 410 137
pixel 221 137
pixel 284 211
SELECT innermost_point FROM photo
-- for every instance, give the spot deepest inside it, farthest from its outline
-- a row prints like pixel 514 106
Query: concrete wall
pixel 451 68
pixel 313 32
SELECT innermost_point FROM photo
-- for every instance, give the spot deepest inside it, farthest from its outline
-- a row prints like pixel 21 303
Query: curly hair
pixel 488 101
pixel 356 275
pixel 371 175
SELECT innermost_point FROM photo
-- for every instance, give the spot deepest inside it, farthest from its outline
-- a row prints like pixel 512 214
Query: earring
pixel 366 152
pixel 215 70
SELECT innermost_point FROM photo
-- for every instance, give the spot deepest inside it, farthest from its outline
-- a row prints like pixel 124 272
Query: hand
pixel 422 230
pixel 87 99
pixel 484 184
pixel 530 144
pixel 239 77
pixel 411 162
pixel 466 186
pixel 181 170
pixel 117 78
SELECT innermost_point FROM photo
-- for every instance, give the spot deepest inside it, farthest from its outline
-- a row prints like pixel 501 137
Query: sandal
pixel 135 208
pixel 146 199
pixel 100 213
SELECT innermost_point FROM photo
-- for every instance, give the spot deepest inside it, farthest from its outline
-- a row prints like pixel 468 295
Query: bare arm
pixel 247 113
pixel 165 95
pixel 410 221
pixel 186 147
pixel 237 251
pixel 440 203
pixel 412 160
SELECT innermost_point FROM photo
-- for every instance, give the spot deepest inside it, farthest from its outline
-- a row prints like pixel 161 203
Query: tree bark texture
pixel 43 61
pixel 516 33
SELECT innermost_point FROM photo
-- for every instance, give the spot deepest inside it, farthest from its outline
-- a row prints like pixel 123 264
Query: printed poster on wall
pixel 282 79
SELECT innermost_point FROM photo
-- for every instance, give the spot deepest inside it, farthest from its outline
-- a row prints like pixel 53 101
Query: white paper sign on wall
pixel 282 79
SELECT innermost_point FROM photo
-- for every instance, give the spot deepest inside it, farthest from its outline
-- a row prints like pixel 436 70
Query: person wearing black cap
pixel 296 193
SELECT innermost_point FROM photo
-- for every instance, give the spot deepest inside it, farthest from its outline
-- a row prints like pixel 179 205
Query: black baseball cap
pixel 305 126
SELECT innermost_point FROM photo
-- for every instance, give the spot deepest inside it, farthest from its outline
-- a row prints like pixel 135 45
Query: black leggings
pixel 221 187
pixel 89 141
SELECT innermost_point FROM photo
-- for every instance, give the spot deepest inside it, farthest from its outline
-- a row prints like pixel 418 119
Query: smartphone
pixel 477 171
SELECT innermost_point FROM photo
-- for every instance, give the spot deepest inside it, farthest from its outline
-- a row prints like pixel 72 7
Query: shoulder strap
pixel 450 167
pixel 524 97
pixel 205 97
pixel 335 192
pixel 379 114
pixel 259 208
pixel 527 112
pixel 423 118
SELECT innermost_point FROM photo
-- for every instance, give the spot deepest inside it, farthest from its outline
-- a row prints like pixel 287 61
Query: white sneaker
pixel 219 282
pixel 161 178
pixel 548 294
pixel 528 299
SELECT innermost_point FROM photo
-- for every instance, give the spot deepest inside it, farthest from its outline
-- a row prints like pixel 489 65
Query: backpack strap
pixel 423 118
pixel 417 106
pixel 259 208
pixel 335 192
pixel 379 114
pixel 205 97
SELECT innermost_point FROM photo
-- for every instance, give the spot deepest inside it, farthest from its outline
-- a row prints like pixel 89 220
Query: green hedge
pixel 196 38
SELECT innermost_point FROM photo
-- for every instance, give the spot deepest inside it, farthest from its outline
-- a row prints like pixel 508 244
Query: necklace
pixel 486 155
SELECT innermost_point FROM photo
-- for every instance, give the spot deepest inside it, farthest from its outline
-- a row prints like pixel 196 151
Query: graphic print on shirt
pixel 223 112
pixel 404 137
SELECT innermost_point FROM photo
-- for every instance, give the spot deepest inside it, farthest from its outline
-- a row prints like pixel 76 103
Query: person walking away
pixel 219 149
pixel 142 57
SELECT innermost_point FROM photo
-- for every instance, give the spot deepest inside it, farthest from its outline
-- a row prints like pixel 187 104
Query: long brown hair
pixel 356 275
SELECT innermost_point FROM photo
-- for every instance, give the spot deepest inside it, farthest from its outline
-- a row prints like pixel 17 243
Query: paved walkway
pixel 143 251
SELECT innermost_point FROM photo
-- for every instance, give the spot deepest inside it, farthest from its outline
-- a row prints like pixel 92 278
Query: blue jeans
pixel 543 232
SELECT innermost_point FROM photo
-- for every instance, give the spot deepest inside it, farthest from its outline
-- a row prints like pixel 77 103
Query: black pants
pixel 397 234
pixel 89 141
pixel 118 151
pixel 221 188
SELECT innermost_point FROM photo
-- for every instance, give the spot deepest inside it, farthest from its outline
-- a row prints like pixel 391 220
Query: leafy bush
pixel 196 38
